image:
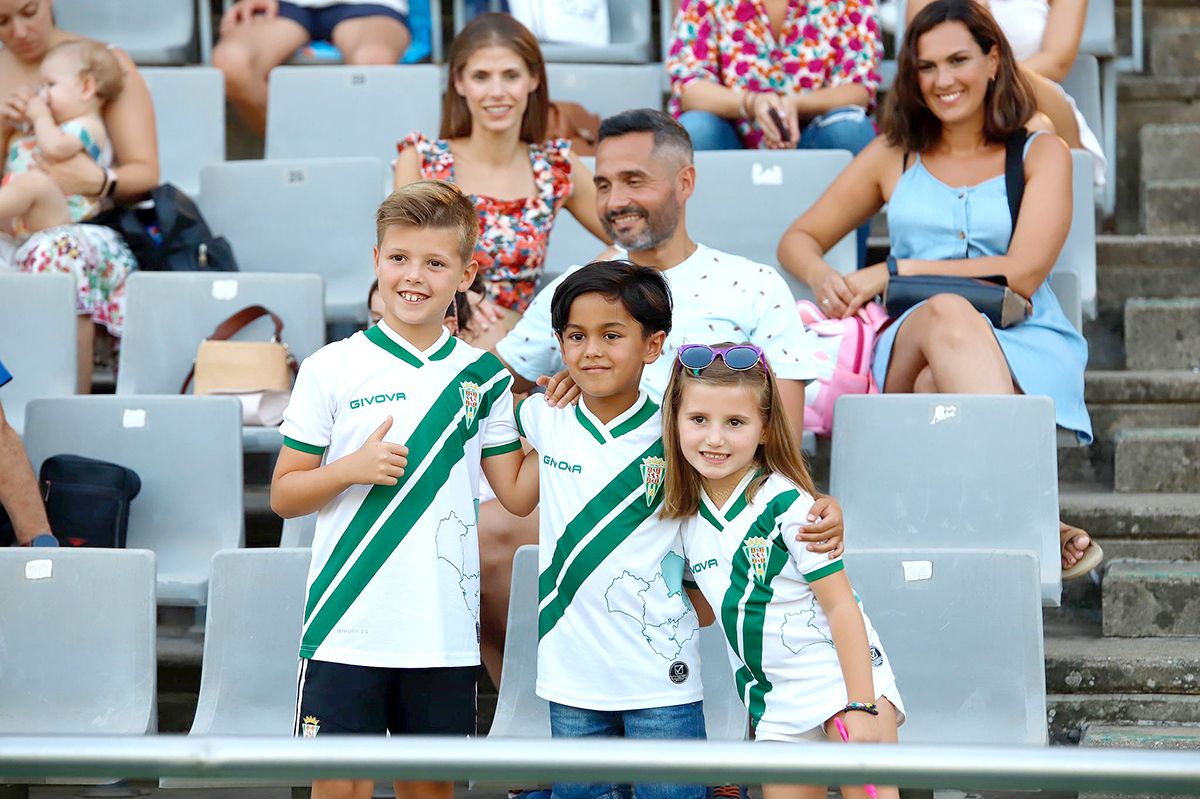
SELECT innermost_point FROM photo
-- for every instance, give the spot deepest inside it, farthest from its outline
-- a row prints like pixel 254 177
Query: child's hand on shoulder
pixel 561 390
pixel 863 727
pixel 824 531
pixel 376 462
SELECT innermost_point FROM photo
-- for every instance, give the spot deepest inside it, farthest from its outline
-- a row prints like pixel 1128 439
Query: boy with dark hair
pixel 618 641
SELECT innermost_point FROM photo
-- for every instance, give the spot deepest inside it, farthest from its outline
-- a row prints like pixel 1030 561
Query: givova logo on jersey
pixel 470 393
pixel 758 549
pixel 654 471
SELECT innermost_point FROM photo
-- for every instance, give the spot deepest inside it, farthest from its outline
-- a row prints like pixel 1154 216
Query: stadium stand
pixel 187 452
pixel 630 39
pixel 37 326
pixel 298 531
pixel 313 215
pixel 318 112
pixel 191 305
pixel 606 89
pixel 167 31
pixel 424 23
pixel 976 454
pixel 1078 254
pixel 963 629
pixel 189 114
pixel 1100 40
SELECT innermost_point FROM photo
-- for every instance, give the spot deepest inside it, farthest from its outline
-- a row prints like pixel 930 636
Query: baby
pixel 78 79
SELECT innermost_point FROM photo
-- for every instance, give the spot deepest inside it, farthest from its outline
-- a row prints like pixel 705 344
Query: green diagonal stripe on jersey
pixel 752 634
pixel 626 482
pixel 591 556
pixel 393 531
pixel 441 414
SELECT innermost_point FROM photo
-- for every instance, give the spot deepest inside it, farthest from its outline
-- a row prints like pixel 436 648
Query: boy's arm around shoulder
pixel 512 471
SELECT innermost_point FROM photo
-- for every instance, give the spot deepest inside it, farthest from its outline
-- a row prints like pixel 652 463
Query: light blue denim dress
pixel 932 221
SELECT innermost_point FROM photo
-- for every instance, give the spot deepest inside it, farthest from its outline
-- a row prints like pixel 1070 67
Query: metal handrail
pixel 522 761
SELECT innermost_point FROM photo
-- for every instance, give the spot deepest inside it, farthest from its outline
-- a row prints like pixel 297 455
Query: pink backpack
pixel 844 351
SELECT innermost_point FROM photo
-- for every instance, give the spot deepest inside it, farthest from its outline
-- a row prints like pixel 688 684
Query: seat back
pixel 39 312
pixel 941 471
pixel 1099 29
pixel 1083 84
pixel 606 89
pixel 191 304
pixel 314 216
pixel 298 531
pixel 1078 254
pixel 78 654
pixel 342 111
pixel 963 632
pixel 189 113
pixel 151 31
pixel 187 452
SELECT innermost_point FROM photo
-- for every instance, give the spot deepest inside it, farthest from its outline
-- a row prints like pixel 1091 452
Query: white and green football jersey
pixel 756 576
pixel 394 580
pixel 615 629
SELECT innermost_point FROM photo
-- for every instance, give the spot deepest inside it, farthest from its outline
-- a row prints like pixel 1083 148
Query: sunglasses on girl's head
pixel 738 357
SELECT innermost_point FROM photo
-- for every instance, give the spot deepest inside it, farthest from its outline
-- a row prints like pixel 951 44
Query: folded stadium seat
pixel 79 645
pixel 606 89
pixel 187 452
pixel 1078 255
pixel 520 713
pixel 166 31
pixel 1100 40
pixel 298 531
pixel 629 35
pixel 963 631
pixel 190 305
pixel 424 23
pixel 189 113
pixel 318 112
pixel 311 215
pixel 38 311
pixel 248 679
pixel 949 472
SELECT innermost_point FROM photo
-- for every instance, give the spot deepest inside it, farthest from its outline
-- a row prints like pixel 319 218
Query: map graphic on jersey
pixel 630 595
pixel 451 538
pixel 794 629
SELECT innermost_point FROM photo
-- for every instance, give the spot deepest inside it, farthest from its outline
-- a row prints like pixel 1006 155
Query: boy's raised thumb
pixel 381 431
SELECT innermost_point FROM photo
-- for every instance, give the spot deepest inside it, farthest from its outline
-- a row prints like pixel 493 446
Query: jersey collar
pixel 719 516
pixel 388 339
pixel 630 420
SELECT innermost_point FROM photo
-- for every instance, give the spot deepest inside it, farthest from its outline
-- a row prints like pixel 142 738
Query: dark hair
pixel 642 290
pixel 495 30
pixel 1007 105
pixel 668 133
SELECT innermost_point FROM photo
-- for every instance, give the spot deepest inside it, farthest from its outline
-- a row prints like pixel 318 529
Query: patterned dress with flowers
pixel 513 234
pixel 823 43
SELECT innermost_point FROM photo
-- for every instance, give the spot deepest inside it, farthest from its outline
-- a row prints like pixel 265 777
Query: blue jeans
pixel 845 128
pixel 677 721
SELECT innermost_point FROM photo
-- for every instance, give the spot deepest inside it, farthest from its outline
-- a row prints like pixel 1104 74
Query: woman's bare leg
pixel 85 341
pixel 947 336
pixel 1054 104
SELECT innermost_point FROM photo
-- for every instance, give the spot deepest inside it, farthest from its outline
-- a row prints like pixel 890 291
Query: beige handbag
pixel 259 373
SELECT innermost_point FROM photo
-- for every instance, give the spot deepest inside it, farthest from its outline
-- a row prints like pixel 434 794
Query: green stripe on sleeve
pixel 501 449
pixel 300 446
pixel 824 571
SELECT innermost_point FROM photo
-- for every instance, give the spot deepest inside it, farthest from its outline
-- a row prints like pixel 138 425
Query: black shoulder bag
pixel 87 501
pixel 168 234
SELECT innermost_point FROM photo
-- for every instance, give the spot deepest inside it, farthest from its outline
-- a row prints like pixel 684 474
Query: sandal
pixel 1089 560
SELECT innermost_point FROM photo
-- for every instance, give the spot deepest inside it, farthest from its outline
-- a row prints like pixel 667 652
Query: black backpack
pixel 87 501
pixel 168 234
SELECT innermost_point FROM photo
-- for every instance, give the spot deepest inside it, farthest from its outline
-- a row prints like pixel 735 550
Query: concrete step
pixel 1090 664
pixel 1169 207
pixel 1150 251
pixel 1152 598
pixel 1162 459
pixel 1146 526
pixel 1162 334
pixel 1068 714
pixel 1168 151
pixel 1122 400
pixel 1175 52
pixel 1139 736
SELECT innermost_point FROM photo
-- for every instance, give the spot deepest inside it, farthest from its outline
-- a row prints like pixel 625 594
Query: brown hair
pixel 1007 105
pixel 777 455
pixel 495 30
pixel 430 204
pixel 97 62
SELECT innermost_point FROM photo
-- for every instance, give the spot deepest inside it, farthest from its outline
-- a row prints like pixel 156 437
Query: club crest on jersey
pixel 758 549
pixel 470 396
pixel 654 471
pixel 310 727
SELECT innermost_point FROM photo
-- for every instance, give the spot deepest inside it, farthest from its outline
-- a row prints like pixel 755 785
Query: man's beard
pixel 660 226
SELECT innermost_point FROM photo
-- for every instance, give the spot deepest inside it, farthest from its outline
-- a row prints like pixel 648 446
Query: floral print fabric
pixel 513 234
pixel 823 43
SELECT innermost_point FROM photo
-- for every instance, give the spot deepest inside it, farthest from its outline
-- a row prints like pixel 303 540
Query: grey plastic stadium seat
pixel 1078 255
pixel 1083 84
pixel 79 642
pixel 151 31
pixel 963 631
pixel 521 713
pixel 1066 288
pixel 292 216
pixel 942 471
pixel 629 35
pixel 38 311
pixel 319 112
pixel 190 305
pixel 248 680
pixel 187 452
pixel 189 113
pixel 1099 29
pixel 298 531
pixel 606 89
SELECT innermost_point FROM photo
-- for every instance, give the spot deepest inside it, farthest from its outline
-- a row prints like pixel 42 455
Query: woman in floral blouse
pixel 814 63
pixel 492 145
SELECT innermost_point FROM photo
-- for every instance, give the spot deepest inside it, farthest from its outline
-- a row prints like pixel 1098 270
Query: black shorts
pixel 320 22
pixel 335 698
